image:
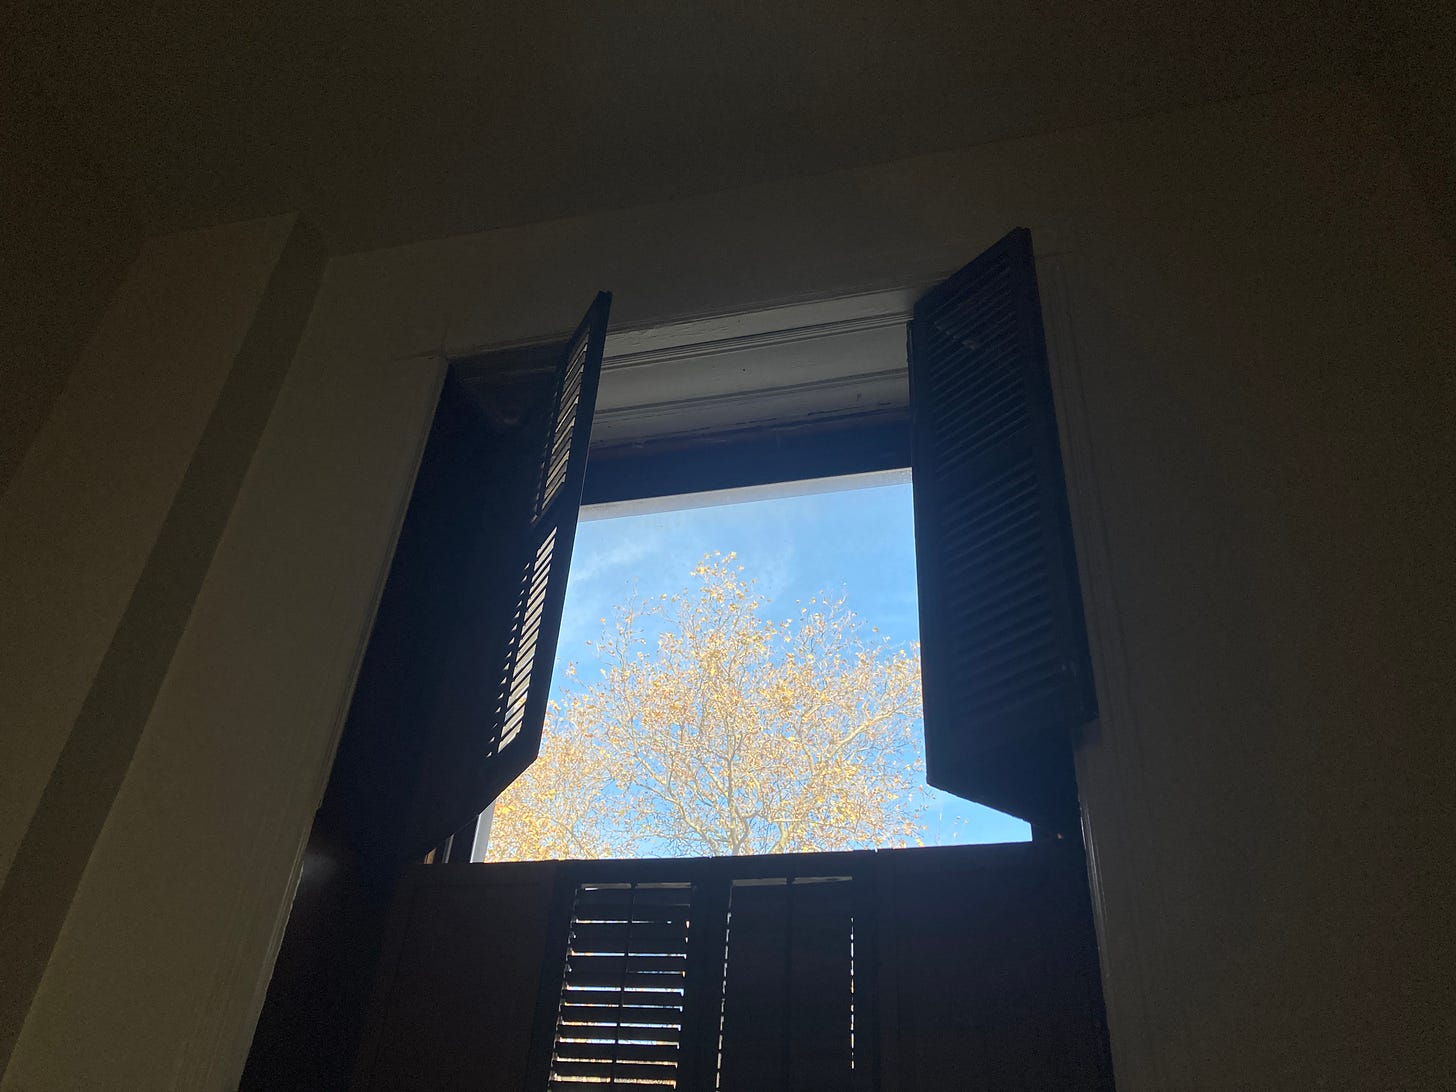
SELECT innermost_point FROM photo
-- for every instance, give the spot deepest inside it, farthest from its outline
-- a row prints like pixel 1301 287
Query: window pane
pixel 739 678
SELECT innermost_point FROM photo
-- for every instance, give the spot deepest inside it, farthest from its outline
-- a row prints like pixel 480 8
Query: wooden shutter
pixel 789 988
pixel 989 962
pixel 448 706
pixel 1004 649
pixel 487 718
pixel 620 1020
pixel 454 1007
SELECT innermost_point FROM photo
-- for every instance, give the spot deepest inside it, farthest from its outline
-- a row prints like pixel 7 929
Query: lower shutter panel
pixel 788 990
pixel 623 993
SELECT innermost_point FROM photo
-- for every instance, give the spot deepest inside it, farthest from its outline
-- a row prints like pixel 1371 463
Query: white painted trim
pixel 394 519
pixel 792 359
pixel 1109 766
pixel 764 323
pixel 209 1061
pixel 806 487
pixel 760 328
pixel 771 323
pixel 788 322
pixel 736 409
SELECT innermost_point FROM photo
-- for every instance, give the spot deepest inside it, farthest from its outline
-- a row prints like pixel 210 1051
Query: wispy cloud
pixel 601 558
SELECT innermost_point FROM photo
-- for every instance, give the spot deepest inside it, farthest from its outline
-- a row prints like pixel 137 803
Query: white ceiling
pixel 387 122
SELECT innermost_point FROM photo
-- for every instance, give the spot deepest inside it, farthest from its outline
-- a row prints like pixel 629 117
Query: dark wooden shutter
pixel 487 720
pixel 620 1019
pixel 454 1005
pixel 1004 648
pixel 789 988
pixel 448 706
pixel 989 958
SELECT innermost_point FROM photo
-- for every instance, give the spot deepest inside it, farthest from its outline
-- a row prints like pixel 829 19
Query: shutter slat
pixel 627 936
pixel 1004 655
pixel 584 1051
pixel 641 980
pixel 640 915
pixel 632 1022
pixel 630 996
pixel 607 1072
pixel 641 964
pixel 636 898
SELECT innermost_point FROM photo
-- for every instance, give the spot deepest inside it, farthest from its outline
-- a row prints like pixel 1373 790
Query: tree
pixel 717 729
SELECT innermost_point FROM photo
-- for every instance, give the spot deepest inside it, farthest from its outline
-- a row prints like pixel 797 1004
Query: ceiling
pixel 385 122
pixel 389 122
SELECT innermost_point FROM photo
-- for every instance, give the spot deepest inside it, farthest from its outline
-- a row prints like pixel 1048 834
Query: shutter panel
pixel 487 722
pixel 993 955
pixel 1004 648
pixel 623 992
pixel 788 989
pixel 525 677
pixel 488 709
pixel 514 738
pixel 452 689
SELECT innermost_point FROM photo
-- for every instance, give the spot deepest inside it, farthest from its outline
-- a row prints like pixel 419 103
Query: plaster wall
pixel 88 501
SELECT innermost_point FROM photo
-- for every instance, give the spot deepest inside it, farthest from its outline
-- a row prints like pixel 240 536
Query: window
pixel 1006 670
pixel 657 745
pixel 464 656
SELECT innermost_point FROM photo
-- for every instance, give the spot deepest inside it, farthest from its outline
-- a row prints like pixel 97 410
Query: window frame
pixel 759 455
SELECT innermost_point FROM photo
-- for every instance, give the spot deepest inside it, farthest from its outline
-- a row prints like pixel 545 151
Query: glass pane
pixel 739 678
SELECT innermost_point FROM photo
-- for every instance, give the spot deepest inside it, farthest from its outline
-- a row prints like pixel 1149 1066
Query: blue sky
pixel 857 540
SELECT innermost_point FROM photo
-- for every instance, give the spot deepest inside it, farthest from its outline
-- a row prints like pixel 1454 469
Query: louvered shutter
pixel 524 679
pixel 450 696
pixel 620 1020
pixel 488 717
pixel 1004 649
pixel 789 988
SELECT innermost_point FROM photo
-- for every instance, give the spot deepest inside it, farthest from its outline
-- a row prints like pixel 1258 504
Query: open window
pixel 452 696
pixel 808 738
pixel 455 684
pixel 1002 647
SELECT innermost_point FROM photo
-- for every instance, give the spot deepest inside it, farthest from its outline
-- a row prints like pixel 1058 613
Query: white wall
pixel 88 501
pixel 1266 325
pixel 111 525
pixel 1253 340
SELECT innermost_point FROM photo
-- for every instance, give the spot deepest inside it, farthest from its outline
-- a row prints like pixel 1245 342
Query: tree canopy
pixel 714 726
